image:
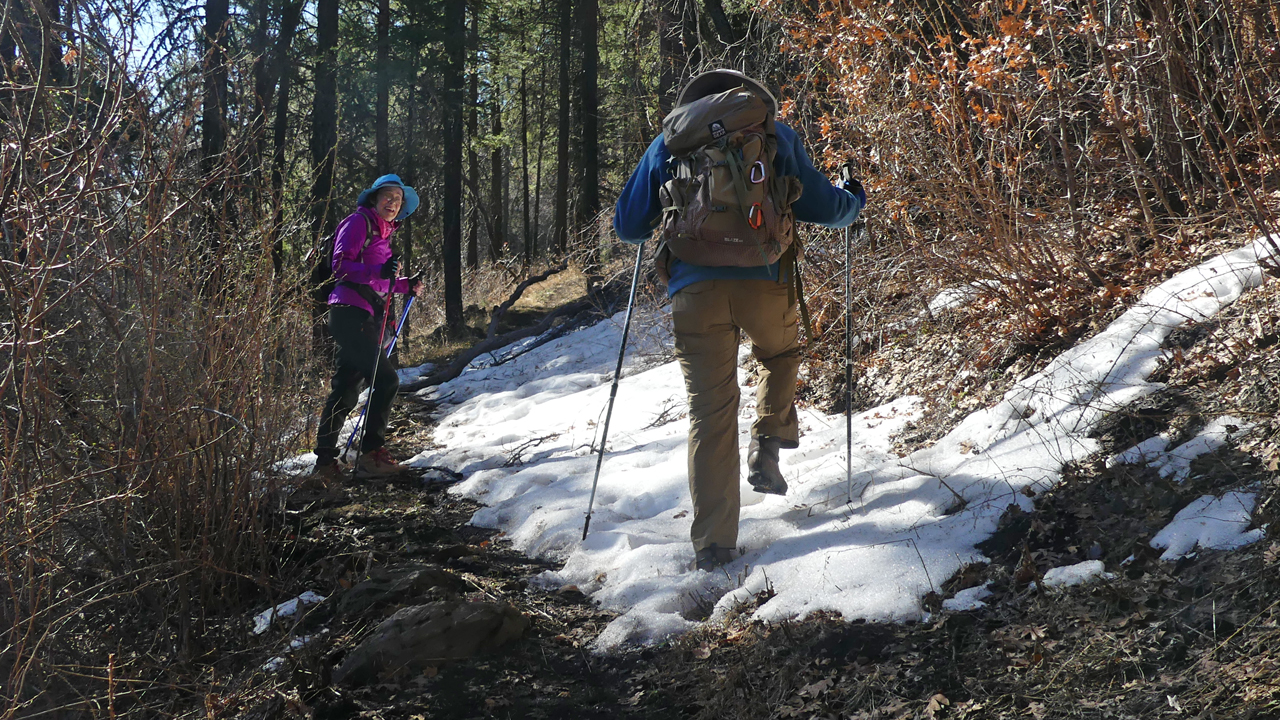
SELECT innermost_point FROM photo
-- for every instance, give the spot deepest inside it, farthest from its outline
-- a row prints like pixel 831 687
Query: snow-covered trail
pixel 521 433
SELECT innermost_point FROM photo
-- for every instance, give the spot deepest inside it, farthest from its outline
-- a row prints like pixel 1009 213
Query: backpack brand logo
pixel 717 129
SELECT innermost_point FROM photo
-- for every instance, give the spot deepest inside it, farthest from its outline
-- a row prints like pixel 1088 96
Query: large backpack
pixel 320 283
pixel 724 205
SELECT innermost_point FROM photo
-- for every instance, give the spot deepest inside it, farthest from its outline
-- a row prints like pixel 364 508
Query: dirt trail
pixel 1194 638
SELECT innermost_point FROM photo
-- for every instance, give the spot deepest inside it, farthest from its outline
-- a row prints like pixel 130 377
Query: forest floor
pixel 1197 638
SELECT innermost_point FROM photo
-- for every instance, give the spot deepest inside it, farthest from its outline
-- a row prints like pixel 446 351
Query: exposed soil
pixel 1197 637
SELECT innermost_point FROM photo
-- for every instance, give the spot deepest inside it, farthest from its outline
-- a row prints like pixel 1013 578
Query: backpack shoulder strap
pixel 369 229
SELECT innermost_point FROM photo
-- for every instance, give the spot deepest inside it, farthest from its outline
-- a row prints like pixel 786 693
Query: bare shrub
pixel 148 369
pixel 1047 155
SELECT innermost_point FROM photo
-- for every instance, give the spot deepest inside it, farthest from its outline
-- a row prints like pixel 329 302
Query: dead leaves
pixel 936 706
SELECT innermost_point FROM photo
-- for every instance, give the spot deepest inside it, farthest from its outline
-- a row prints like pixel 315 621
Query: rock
pixel 571 592
pixel 399 584
pixel 428 636
pixel 453 552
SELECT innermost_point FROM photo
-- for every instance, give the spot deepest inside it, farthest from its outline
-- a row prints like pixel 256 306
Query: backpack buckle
pixel 757 173
pixel 755 216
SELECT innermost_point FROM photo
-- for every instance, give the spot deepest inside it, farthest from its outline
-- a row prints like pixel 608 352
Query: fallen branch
pixel 460 363
pixel 574 323
pixel 504 307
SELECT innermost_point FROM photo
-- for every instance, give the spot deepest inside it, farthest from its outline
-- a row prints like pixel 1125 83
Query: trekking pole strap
pixel 804 307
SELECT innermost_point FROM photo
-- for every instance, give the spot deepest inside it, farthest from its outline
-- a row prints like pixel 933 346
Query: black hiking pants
pixel 355 332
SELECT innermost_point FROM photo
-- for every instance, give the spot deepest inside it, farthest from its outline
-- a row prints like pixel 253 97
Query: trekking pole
pixel 390 349
pixel 355 464
pixel 848 368
pixel 846 174
pixel 613 391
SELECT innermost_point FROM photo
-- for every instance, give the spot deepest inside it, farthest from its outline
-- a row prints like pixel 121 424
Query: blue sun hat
pixel 410 195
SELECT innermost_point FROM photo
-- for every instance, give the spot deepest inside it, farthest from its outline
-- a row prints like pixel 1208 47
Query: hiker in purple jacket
pixel 366 270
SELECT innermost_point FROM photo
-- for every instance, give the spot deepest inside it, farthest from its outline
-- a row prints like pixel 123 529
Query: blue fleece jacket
pixel 639 209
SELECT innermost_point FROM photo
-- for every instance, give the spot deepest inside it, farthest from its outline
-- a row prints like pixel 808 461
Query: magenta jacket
pixel 351 264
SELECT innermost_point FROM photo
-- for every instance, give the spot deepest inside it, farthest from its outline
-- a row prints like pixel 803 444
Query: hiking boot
pixel 711 557
pixel 327 471
pixel 376 463
pixel 762 466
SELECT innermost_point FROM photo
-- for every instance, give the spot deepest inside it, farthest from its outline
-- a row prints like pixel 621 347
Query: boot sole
pixel 769 488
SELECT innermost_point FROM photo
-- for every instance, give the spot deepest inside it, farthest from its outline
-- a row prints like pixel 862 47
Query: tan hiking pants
pixel 708 318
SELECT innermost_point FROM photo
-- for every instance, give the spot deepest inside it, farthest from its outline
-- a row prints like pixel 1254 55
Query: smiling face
pixel 387 202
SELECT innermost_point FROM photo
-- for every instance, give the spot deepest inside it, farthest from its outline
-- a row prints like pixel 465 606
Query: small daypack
pixel 321 281
pixel 725 206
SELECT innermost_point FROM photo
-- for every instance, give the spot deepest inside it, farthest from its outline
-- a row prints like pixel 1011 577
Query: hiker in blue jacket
pixel 712 306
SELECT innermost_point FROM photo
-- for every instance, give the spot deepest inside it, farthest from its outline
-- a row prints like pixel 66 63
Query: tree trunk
pixel 28 41
pixel 542 136
pixel 669 54
pixel 562 141
pixel 264 87
pixel 29 35
pixel 589 204
pixel 8 43
pixel 678 49
pixel 53 41
pixel 455 44
pixel 213 124
pixel 497 224
pixel 411 179
pixel 324 118
pixel 290 16
pixel 383 138
pixel 213 127
pixel 524 163
pixel 324 141
pixel 724 30
pixel 473 160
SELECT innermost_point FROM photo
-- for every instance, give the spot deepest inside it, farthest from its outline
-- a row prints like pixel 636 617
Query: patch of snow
pixel 523 434
pixel 437 475
pixel 302 640
pixel 1212 523
pixel 1077 574
pixel 1142 453
pixel 952 298
pixel 1177 462
pixel 277 662
pixel 408 375
pixel 263 620
pixel 970 599
pixel 300 465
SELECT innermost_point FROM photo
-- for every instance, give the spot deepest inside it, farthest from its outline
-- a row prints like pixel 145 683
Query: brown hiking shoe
pixel 762 466
pixel 327 471
pixel 376 463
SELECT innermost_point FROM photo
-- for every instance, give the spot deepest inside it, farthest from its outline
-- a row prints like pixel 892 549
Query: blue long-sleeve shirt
pixel 639 209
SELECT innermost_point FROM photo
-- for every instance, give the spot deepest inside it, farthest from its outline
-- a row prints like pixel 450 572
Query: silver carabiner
pixel 756 167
